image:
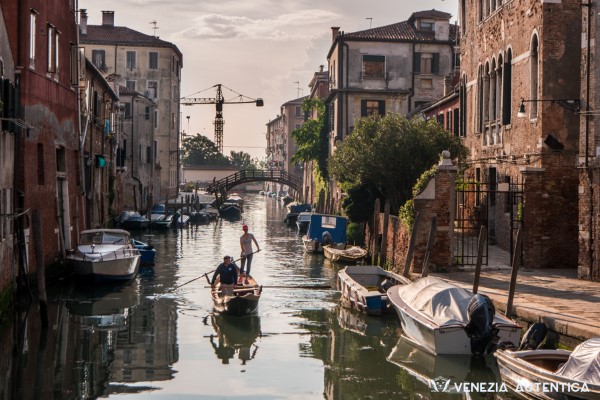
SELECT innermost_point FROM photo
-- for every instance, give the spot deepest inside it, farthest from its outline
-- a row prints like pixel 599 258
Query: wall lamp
pixel 573 105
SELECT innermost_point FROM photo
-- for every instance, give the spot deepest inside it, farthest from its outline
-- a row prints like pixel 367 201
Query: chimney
pixel 447 85
pixel 321 68
pixel 83 21
pixel 334 32
pixel 108 18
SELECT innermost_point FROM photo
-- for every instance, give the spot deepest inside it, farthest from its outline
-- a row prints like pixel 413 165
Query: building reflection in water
pixel 120 339
pixel 235 335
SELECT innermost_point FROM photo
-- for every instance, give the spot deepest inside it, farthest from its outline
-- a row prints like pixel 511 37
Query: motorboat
pixel 147 252
pixel 199 217
pixel 105 254
pixel 349 254
pixel 446 319
pixel 243 301
pixel 325 230
pixel 180 220
pixel 237 199
pixel 212 212
pixel 158 211
pixel 230 210
pixel 364 288
pixel 162 223
pixel 134 221
pixel 553 374
pixel 303 221
pixel 294 209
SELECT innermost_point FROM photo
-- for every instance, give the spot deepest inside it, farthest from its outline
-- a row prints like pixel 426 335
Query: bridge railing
pixel 253 175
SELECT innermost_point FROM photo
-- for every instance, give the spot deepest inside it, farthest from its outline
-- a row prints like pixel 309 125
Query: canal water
pixel 157 337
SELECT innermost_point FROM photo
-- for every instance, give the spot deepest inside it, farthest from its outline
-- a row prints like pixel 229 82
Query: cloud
pixel 284 27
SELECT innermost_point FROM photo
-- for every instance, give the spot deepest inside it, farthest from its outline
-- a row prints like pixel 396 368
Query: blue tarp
pixel 335 225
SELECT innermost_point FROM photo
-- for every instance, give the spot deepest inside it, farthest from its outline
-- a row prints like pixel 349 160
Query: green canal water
pixel 151 340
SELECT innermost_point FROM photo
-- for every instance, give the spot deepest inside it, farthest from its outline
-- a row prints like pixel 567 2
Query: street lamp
pixel 573 105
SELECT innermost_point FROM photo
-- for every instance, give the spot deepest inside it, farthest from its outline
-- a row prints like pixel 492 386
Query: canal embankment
pixel 567 305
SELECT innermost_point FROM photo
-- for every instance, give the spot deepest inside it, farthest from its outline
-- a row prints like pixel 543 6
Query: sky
pixel 267 49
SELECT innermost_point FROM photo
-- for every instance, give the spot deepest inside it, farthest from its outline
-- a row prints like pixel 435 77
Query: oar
pixel 204 274
pixel 317 287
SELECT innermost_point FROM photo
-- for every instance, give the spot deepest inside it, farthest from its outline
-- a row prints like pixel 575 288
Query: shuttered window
pixel 370 107
pixel 373 66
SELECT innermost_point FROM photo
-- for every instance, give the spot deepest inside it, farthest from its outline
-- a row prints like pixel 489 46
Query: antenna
pixel 370 21
pixel 298 83
pixel 155 27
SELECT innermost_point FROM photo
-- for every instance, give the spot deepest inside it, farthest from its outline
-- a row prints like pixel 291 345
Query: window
pixel 152 89
pixel 155 119
pixel 40 163
pixel 147 113
pixel 153 60
pixel 52 49
pixel 127 111
pixel 507 89
pixel 298 111
pixel 534 62
pixel 32 19
pixel 131 60
pixel 426 83
pixel 98 59
pixel 426 63
pixel 427 26
pixel 130 84
pixel 373 66
pixel 370 107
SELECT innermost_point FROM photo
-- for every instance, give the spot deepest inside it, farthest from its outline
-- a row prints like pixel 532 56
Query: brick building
pixel 41 36
pixel 523 163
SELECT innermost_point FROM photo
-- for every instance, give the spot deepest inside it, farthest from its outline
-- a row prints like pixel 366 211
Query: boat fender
pixel 534 337
pixel 326 238
pixel 480 328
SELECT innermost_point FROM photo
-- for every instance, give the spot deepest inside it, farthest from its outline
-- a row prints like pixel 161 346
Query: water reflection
pixel 235 336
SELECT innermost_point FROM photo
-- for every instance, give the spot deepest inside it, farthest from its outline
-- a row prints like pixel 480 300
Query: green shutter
pixel 417 62
pixel 363 108
pixel 382 107
pixel 435 64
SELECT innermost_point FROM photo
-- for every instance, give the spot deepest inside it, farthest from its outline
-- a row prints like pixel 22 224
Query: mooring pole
pixel 482 239
pixel 513 275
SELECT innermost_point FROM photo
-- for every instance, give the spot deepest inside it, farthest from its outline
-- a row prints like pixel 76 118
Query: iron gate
pixel 498 207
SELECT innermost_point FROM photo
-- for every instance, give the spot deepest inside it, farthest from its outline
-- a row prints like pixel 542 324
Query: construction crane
pixel 219 100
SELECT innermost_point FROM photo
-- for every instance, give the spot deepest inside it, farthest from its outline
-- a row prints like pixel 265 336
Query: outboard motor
pixel 481 323
pixel 326 238
pixel 534 337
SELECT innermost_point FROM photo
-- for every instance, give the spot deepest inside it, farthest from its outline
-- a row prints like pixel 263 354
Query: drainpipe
pixel 412 85
pixel 340 77
pixel 347 54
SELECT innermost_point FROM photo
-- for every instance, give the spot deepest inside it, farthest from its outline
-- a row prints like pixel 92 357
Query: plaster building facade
pixel 137 153
pixel 42 35
pixel 150 66
pixel 390 69
pixel 519 118
pixel 99 143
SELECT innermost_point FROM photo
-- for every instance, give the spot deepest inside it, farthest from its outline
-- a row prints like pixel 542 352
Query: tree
pixel 391 153
pixel 199 150
pixel 311 138
pixel 241 160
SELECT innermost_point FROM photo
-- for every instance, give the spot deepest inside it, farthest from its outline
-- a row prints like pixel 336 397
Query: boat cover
pixel 583 364
pixel 441 301
pixel 334 225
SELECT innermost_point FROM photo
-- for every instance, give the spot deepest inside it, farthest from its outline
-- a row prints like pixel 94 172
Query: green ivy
pixel 407 211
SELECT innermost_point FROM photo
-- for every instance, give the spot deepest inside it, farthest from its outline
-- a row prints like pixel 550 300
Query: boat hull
pixel 230 211
pixel 352 254
pixel 118 269
pixel 315 246
pixel 517 371
pixel 244 300
pixel 361 288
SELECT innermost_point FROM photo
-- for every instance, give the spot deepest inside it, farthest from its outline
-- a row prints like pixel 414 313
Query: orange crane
pixel 219 100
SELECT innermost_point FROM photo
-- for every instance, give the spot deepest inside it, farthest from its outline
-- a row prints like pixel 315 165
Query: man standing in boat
pixel 246 244
pixel 227 273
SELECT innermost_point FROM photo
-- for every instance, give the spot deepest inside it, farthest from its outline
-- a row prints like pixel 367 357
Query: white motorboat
pixel 105 254
pixel 553 374
pixel 364 287
pixel 446 319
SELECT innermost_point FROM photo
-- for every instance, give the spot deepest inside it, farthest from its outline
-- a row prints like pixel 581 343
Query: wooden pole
pixel 375 231
pixel 395 223
pixel 386 222
pixel 430 243
pixel 513 275
pixel 411 245
pixel 39 261
pixel 482 239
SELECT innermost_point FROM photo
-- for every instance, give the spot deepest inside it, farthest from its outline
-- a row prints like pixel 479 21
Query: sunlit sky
pixel 258 48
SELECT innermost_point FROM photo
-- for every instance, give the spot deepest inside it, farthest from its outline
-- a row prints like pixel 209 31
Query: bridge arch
pixel 254 175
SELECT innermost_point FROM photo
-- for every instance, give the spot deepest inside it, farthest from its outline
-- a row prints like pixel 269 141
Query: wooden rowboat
pixel 243 301
pixel 350 254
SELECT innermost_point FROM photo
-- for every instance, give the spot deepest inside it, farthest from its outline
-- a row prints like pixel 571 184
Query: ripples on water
pixel 151 339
